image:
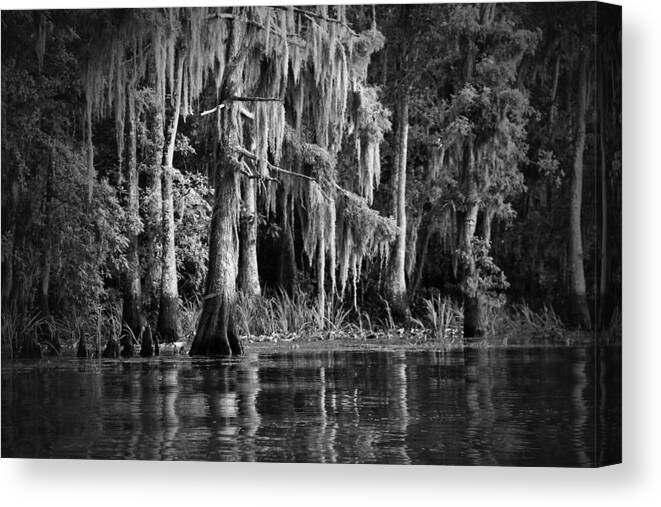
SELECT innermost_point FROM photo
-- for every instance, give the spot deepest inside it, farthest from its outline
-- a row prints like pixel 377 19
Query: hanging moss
pixel 362 233
pixel 262 47
pixel 371 122
pixel 91 173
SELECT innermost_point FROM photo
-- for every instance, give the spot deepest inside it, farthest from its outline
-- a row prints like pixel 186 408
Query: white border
pixel 636 482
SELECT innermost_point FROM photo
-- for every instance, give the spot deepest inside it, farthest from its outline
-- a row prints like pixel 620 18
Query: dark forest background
pixel 202 174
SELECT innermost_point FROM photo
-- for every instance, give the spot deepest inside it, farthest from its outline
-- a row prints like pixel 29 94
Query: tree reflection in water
pixel 482 407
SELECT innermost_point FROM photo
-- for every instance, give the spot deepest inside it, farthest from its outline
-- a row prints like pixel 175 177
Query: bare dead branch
pixel 252 156
pixel 242 110
pixel 253 99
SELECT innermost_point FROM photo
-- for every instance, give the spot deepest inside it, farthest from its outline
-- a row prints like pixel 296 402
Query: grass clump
pixel 189 316
pixel 278 315
pixel 21 332
pixel 443 316
pixel 33 335
pixel 289 316
pixel 521 325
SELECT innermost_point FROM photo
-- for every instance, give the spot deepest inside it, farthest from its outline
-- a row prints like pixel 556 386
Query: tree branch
pixel 221 15
pixel 311 14
pixel 252 156
pixel 246 113
pixel 245 170
pixel 242 110
pixel 253 99
pixel 291 36
pixel 212 110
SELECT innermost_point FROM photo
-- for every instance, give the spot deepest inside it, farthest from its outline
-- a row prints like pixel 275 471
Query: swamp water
pixel 525 407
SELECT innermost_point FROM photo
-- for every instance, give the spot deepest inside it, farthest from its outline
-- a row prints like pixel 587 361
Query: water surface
pixel 478 407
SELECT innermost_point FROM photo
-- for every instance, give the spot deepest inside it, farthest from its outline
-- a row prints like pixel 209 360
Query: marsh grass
pixel 365 323
pixel 520 324
pixel 289 317
pixel 388 322
pixel 189 316
pixel 280 314
pixel 20 331
pixel 339 320
pixel 443 316
pixel 24 334
pixel 104 325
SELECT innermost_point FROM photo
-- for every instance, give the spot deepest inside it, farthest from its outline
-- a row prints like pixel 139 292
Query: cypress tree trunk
pixel 44 330
pixel 396 280
pixel 44 287
pixel 13 286
pixel 321 280
pixel 81 349
pixel 413 236
pixel 427 231
pixel 48 254
pixel 474 326
pixel 287 272
pixel 249 275
pixel 473 300
pixel 578 306
pixel 8 214
pixel 332 252
pixel 154 236
pixel 487 221
pixel 147 343
pixel 217 334
pixel 132 310
pixel 168 313
pixel 474 318
pixel 7 277
pixel 19 295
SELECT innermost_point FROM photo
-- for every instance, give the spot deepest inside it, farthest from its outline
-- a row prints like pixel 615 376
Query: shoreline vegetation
pixel 284 322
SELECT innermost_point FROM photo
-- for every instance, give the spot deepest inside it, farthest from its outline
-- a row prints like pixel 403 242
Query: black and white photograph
pixel 372 234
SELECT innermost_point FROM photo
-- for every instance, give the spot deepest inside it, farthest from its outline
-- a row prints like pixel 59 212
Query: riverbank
pixel 398 340
pixel 382 342
pixel 412 340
